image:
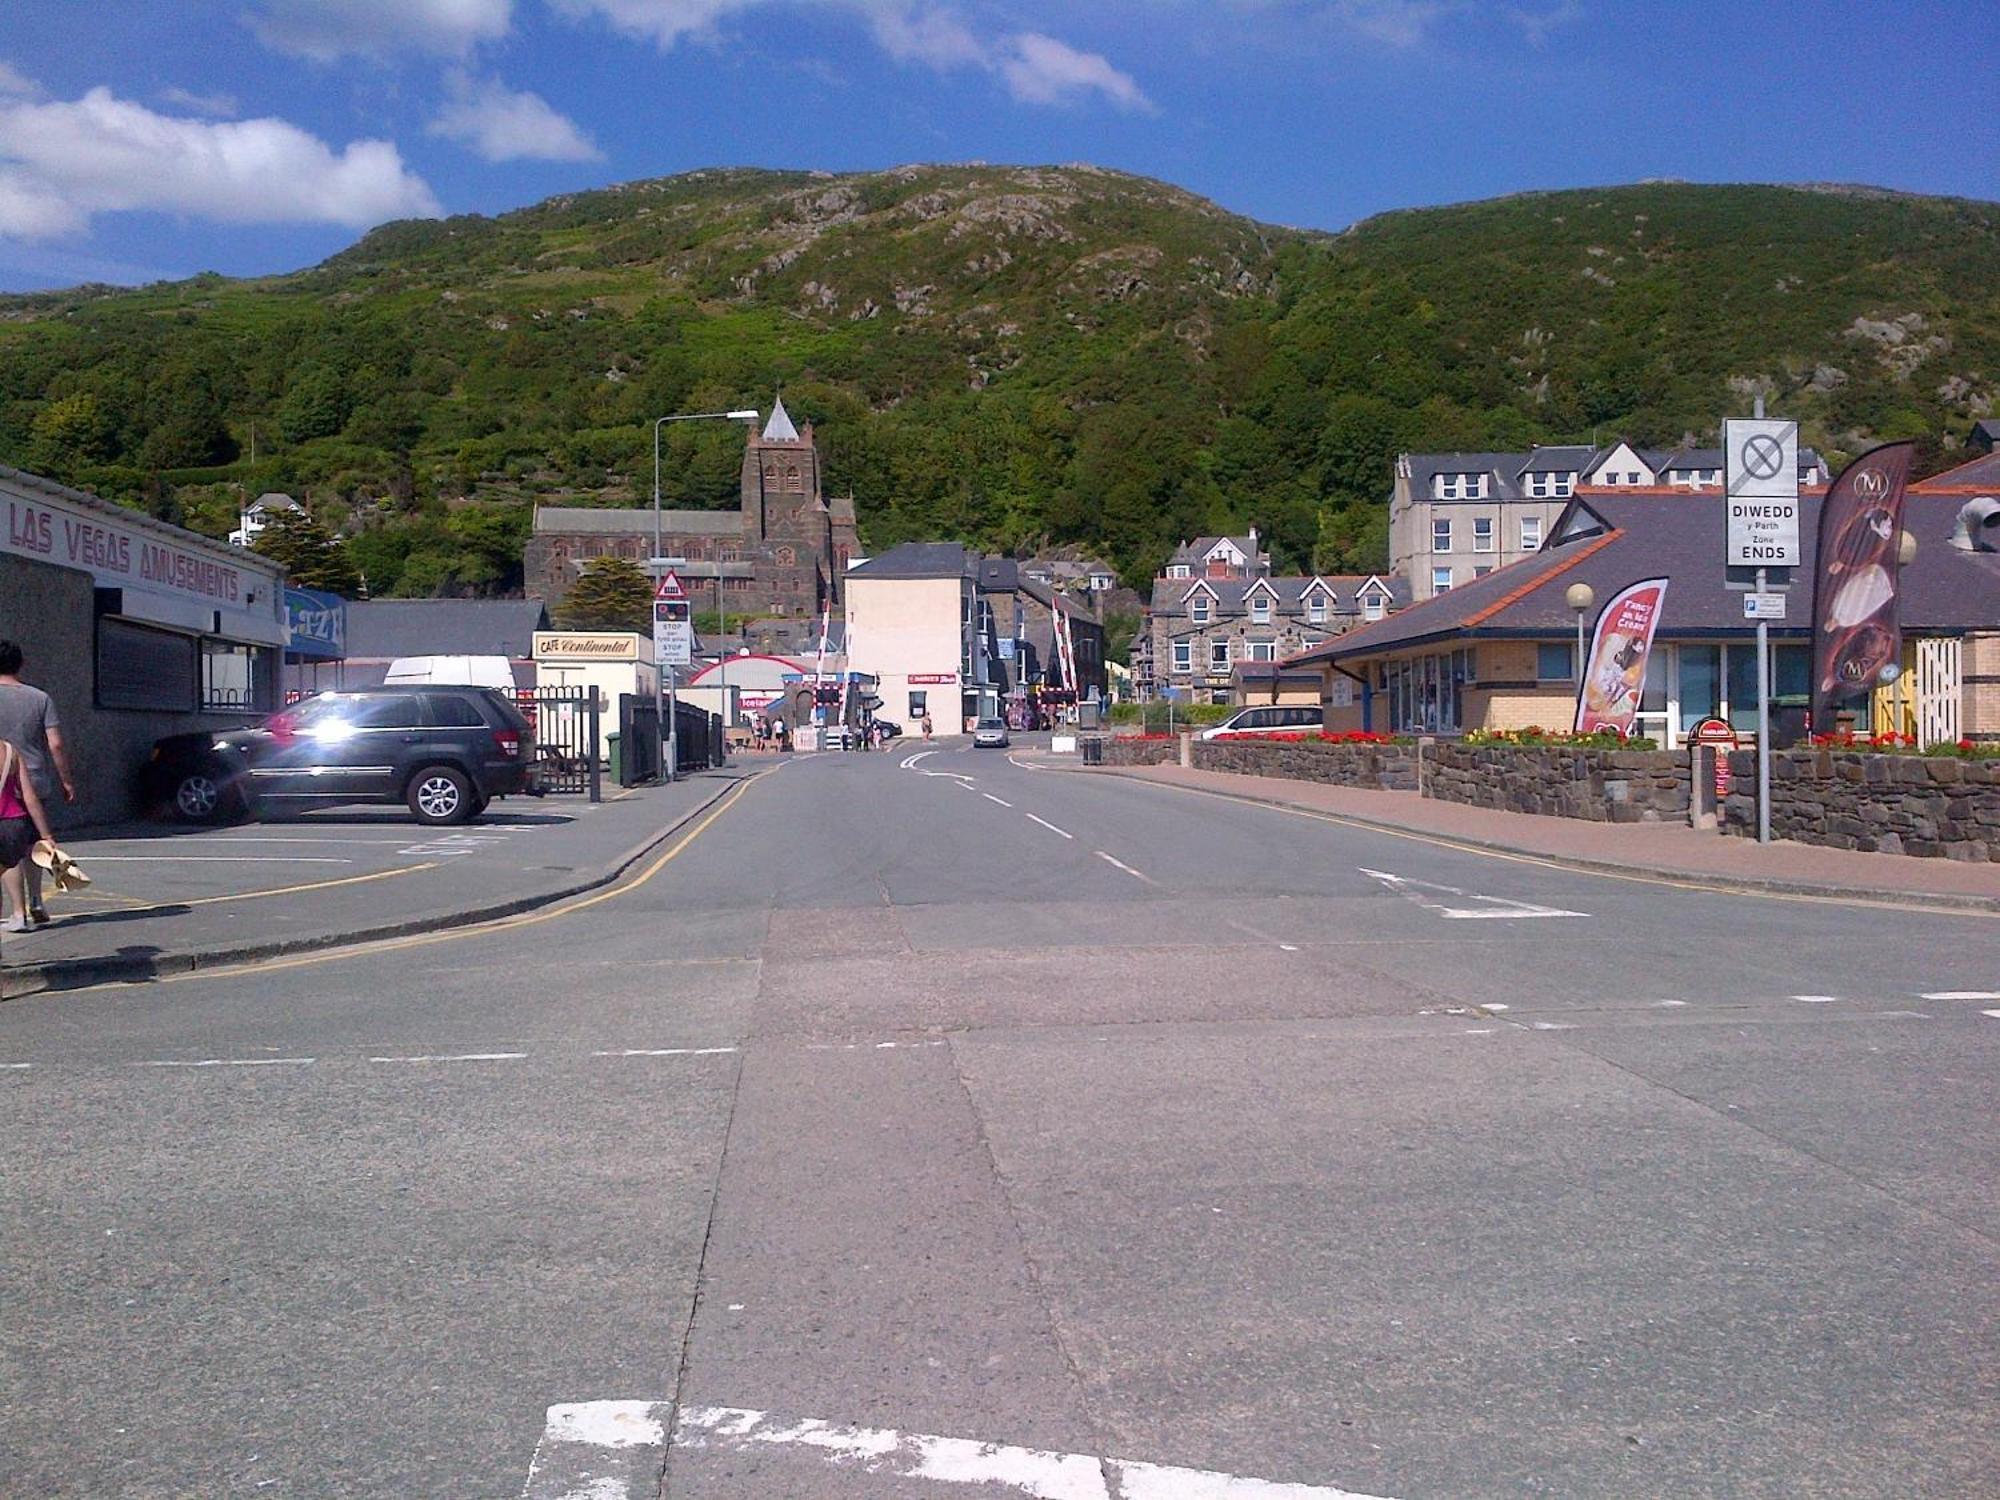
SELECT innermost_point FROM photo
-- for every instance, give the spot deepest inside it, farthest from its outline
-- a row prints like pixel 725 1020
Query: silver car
pixel 990 734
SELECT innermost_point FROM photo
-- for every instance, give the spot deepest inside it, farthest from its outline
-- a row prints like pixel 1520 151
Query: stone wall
pixel 1378 767
pixel 1894 804
pixel 1133 751
pixel 1600 786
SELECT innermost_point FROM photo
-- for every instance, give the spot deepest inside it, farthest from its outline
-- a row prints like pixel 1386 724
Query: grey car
pixel 990 734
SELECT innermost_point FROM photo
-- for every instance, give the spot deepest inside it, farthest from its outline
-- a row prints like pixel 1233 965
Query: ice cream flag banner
pixel 1857 640
pixel 1615 671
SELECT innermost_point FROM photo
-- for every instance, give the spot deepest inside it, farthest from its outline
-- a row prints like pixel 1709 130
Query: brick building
pixel 783 551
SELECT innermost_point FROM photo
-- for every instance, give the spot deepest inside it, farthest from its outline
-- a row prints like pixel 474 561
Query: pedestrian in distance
pixel 927 729
pixel 28 722
pixel 22 820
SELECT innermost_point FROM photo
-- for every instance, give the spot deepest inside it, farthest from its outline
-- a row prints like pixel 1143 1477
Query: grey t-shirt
pixel 27 714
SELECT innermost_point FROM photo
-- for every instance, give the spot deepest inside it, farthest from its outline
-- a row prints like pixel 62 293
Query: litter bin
pixel 1092 747
pixel 617 757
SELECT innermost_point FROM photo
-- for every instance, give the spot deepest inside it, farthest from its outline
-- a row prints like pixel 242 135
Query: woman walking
pixel 22 821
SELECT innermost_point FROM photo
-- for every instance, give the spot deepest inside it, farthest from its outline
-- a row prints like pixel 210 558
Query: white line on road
pixel 1995 1014
pixel 667 1052
pixel 218 859
pixel 991 798
pixel 1899 1015
pixel 455 1057
pixel 21 1066
pixel 1050 826
pixel 1037 1472
pixel 1817 999
pixel 1497 908
pixel 1135 874
pixel 600 1450
pixel 1289 947
pixel 912 760
pixel 229 1062
pixel 1960 995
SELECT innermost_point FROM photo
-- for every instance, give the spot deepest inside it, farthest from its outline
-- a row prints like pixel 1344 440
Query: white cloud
pixel 222 106
pixel 1041 70
pixel 15 85
pixel 64 161
pixel 324 30
pixel 501 125
pixel 1399 23
pixel 1037 68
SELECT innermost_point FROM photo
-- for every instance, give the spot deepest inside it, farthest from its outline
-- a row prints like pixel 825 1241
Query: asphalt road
pixel 1151 1142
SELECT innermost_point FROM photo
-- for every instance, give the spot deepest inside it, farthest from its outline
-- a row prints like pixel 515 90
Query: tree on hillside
pixel 313 557
pixel 612 594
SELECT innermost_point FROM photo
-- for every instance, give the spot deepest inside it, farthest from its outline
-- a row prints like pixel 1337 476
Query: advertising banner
pixel 1614 672
pixel 1857 640
pixel 315 624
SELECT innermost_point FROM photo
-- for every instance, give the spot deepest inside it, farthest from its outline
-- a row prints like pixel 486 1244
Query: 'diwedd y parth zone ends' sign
pixel 1761 464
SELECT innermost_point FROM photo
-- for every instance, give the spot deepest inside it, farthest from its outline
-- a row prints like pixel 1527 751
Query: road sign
pixel 669 586
pixel 1761 464
pixel 1763 606
pixel 673 632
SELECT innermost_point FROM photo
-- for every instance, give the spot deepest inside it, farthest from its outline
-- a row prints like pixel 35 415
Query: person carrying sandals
pixel 28 722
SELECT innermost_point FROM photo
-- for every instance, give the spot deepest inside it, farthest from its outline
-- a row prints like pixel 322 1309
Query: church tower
pixel 781 484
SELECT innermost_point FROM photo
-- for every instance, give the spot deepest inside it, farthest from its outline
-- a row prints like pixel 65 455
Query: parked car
pixel 1286 718
pixel 891 730
pixel 444 752
pixel 990 734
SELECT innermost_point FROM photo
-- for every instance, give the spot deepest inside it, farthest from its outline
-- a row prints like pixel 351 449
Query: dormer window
pixel 1260 608
pixel 1200 609
pixel 1180 570
pixel 1372 607
pixel 1461 486
pixel 1316 608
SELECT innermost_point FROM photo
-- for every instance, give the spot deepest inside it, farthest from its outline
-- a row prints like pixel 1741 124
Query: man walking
pixel 28 721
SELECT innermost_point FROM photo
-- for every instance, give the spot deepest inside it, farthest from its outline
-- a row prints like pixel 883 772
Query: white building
pixel 912 624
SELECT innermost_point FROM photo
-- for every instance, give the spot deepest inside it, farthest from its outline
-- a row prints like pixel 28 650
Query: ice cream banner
pixel 1615 671
pixel 1857 639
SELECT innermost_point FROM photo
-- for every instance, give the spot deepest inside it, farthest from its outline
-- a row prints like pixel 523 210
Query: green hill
pixel 992 353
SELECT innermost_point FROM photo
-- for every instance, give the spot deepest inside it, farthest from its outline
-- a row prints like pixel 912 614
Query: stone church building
pixel 782 552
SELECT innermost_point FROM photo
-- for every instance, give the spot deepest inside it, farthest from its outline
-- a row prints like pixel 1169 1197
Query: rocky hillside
pixel 998 354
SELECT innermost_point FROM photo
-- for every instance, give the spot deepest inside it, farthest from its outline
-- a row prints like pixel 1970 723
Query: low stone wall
pixel 1133 751
pixel 1599 786
pixel 1894 804
pixel 1378 767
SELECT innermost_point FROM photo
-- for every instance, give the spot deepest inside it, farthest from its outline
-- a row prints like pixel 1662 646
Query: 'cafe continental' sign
pixel 585 645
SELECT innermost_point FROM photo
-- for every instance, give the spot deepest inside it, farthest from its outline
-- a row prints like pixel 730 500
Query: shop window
pixel 919 704
pixel 233 678
pixel 141 668
pixel 1700 679
pixel 1555 661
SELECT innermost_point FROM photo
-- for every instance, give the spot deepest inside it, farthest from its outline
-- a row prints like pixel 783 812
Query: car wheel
pixel 440 794
pixel 201 797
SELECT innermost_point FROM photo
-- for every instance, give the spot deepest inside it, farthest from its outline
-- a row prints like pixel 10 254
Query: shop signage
pixel 1761 465
pixel 315 624
pixel 1615 670
pixel 932 679
pixel 1719 733
pixel 579 645
pixel 1764 606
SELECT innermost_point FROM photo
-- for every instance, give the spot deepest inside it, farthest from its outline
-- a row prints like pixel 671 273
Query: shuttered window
pixel 142 668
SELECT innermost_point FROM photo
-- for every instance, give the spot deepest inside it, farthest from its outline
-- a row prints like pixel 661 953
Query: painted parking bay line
pixel 1496 908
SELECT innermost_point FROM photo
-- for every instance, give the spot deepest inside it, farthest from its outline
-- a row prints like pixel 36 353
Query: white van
pixel 1286 718
pixel 454 671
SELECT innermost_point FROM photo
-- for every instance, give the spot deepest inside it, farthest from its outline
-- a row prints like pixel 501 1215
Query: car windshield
pixel 992 724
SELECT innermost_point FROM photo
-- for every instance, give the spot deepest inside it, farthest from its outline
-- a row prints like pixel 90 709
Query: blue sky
pixel 149 138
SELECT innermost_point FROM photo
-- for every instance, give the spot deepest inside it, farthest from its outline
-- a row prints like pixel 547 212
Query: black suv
pixel 444 751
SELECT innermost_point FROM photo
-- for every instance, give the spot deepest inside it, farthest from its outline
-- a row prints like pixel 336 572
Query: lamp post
pixel 666 744
pixel 1579 597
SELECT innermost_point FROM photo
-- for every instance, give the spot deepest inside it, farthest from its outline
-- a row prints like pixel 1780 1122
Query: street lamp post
pixel 1579 597
pixel 666 743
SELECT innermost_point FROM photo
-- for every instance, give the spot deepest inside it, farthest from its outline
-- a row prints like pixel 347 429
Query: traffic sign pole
pixel 1763 722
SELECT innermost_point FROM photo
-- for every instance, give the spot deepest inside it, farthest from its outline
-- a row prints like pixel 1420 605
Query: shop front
pixel 135 628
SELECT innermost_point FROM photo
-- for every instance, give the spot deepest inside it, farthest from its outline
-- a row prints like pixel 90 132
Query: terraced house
pixel 1217 609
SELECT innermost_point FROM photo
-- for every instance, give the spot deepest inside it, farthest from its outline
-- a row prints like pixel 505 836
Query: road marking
pixel 600 1450
pixel 1995 1014
pixel 1960 995
pixel 1899 1015
pixel 1025 765
pixel 1038 1472
pixel 870 1046
pixel 1135 874
pixel 230 1062
pixel 1551 1026
pixel 218 859
pixel 991 798
pixel 1048 825
pixel 667 1052
pixel 911 762
pixel 1498 908
pixel 16 1067
pixel 1289 947
pixel 1817 999
pixel 455 1057
pixel 1666 1004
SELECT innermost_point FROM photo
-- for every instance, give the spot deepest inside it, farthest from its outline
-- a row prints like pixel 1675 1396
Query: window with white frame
pixel 1316 607
pixel 1482 533
pixel 1263 651
pixel 1199 609
pixel 1531 533
pixel 1539 485
pixel 1461 486
pixel 1183 656
pixel 1565 484
pixel 1218 654
pixel 1632 477
pixel 1440 580
pixel 1373 607
pixel 1441 534
pixel 1260 608
pixel 1180 570
pixel 1482 570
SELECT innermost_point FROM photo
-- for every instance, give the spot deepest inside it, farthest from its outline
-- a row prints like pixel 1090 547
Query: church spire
pixel 780 429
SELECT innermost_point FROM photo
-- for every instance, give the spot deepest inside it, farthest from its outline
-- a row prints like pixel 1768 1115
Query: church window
pixel 792 480
pixel 786 557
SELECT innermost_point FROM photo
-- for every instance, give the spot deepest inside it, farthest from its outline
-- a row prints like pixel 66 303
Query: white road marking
pixel 1050 826
pixel 1135 874
pixel 667 1052
pixel 455 1057
pixel 1497 908
pixel 1817 999
pixel 217 859
pixel 1289 947
pixel 991 798
pixel 1899 1015
pixel 1552 1025
pixel 1960 995
pixel 1025 765
pixel 600 1450
pixel 912 760
pixel 871 1046
pixel 228 1062
pixel 1037 1472
pixel 1995 1014
pixel 21 1066
pixel 1669 1004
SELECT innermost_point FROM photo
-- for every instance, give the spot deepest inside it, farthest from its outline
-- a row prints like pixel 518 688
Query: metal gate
pixel 566 723
pixel 1938 692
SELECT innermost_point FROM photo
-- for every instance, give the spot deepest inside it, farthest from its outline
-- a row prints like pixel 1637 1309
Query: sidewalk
pixel 1668 849
pixel 167 899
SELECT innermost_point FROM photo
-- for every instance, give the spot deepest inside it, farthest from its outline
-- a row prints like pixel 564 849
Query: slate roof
pixel 1231 594
pixel 1987 432
pixel 1506 473
pixel 1982 473
pixel 918 560
pixel 567 520
pixel 1610 539
pixel 388 628
pixel 1193 552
